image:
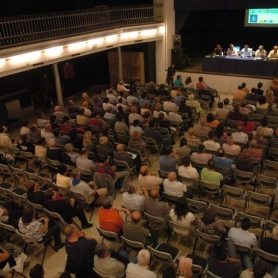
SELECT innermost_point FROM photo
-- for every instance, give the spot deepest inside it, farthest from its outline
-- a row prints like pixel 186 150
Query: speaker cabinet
pixel 177 54
pixel 176 41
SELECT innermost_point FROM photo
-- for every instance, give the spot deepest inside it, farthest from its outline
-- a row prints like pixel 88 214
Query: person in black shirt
pixel 34 194
pixel 27 145
pixel 259 90
pixel 170 74
pixel 80 251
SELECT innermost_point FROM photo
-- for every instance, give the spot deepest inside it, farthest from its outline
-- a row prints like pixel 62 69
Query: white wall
pixel 163 48
pixel 225 84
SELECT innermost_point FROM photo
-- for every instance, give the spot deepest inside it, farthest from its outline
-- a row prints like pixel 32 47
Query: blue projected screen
pixel 261 18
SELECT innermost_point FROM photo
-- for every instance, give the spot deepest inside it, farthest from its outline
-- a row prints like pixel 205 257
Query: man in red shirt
pixel 109 217
pixel 95 121
pixel 253 152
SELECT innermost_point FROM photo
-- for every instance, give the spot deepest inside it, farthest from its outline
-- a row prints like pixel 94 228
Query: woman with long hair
pixel 247 126
pixel 211 121
pixel 219 132
pixel 188 83
pixel 181 213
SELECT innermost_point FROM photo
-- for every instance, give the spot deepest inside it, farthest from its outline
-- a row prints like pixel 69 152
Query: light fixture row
pixel 54 52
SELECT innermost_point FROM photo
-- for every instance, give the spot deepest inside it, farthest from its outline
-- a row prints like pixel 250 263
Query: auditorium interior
pixel 137 43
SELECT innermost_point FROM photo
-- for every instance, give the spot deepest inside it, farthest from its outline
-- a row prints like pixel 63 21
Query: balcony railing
pixel 22 30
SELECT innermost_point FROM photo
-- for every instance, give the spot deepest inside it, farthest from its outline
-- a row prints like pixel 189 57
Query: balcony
pixel 30 29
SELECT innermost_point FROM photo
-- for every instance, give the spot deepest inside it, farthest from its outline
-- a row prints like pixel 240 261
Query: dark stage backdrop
pixel 203 29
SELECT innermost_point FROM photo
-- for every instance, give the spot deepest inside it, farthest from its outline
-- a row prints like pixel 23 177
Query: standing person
pixel 170 74
pixel 47 90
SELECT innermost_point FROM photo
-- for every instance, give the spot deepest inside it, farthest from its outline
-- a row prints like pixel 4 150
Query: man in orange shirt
pixel 109 218
pixel 239 95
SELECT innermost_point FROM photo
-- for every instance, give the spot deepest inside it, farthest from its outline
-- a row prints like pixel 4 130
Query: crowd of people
pixel 94 137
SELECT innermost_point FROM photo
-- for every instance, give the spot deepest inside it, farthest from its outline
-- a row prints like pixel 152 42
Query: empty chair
pixel 207 239
pixel 267 256
pixel 6 171
pixel 123 166
pixel 224 213
pixel 197 206
pixel 106 181
pixel 172 199
pixel 164 253
pixel 41 161
pixel 18 173
pixel 163 174
pixel 265 182
pixel 233 193
pixel 133 245
pixel 81 199
pixel 269 165
pixel 211 189
pixel 273 152
pixel 53 166
pixel 9 229
pixel 109 236
pixel 258 199
pixel 242 177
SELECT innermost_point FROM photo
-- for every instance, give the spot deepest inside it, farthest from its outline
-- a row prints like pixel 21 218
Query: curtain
pixel 180 19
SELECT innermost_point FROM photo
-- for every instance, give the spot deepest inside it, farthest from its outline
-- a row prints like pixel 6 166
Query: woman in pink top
pixel 246 125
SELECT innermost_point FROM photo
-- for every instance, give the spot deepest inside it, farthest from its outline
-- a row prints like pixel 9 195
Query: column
pixel 120 69
pixel 163 47
pixel 58 85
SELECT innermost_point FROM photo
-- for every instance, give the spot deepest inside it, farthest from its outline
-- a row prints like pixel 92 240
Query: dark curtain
pixel 183 5
pixel 181 17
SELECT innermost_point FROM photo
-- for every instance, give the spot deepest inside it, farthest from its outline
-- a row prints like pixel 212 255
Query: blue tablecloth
pixel 238 65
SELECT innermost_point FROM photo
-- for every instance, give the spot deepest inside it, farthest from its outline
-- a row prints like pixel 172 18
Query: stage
pixel 224 82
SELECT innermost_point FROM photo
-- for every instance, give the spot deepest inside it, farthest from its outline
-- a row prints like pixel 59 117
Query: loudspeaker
pixel 176 41
pixel 177 54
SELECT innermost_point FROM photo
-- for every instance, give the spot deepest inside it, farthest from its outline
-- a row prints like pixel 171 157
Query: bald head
pixel 136 216
pixel 190 131
pixel 144 170
pixel 172 176
pixel 57 108
pixel 154 194
pixel 120 147
pixel 253 144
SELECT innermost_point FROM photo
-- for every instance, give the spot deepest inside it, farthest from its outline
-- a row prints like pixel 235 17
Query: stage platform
pixel 225 83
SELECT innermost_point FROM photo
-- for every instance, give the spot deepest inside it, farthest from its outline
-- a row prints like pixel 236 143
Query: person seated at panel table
pixel 246 52
pixel 218 50
pixel 231 50
pixel 260 52
pixel 273 54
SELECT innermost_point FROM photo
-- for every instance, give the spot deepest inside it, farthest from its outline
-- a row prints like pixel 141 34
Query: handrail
pixel 28 29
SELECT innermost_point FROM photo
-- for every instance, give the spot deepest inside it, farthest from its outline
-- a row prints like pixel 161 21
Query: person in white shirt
pixel 168 105
pixel 133 200
pixel 260 52
pixel 25 128
pixel 186 170
pixel 231 50
pixel 136 127
pixel 273 53
pixel 134 115
pixel 112 97
pixel 265 129
pixel 131 98
pixel 121 87
pixel 239 136
pixel 107 104
pixel 241 236
pixel 230 147
pixel 174 187
pixel 87 111
pixel 148 180
pixel 141 269
pixel 174 116
pixel 210 144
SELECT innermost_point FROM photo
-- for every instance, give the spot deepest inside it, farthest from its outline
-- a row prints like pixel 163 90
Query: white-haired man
pixel 195 103
pixel 141 269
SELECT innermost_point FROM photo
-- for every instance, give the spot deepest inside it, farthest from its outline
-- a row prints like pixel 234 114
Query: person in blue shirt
pixel 222 161
pixel 246 52
pixel 169 161
pixel 178 82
